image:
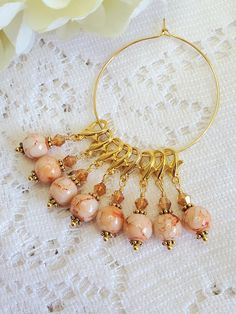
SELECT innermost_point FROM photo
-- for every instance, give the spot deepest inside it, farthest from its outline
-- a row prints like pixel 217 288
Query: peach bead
pixel 47 169
pixel 62 190
pixel 110 218
pixel 84 207
pixel 197 219
pixel 167 227
pixel 138 227
pixel 35 146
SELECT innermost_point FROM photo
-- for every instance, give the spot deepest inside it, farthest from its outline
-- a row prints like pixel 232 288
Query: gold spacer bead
pixel 33 176
pixel 75 222
pixel 169 244
pixel 107 235
pixel 95 196
pixel 49 140
pixel 52 203
pixel 203 235
pixel 61 165
pixel 20 149
pixel 136 244
pixel 116 205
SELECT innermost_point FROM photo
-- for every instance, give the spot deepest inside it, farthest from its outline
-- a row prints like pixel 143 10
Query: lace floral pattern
pixel 45 266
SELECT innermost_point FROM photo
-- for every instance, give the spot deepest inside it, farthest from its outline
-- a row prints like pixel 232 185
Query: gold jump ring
pixel 166 33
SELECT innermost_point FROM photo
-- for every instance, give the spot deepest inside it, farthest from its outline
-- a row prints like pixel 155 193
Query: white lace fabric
pixel 159 94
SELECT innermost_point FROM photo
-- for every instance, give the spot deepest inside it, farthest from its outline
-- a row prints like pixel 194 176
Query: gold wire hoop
pixel 166 33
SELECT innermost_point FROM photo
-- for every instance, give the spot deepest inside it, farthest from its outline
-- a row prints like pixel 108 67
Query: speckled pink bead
pixel 110 218
pixel 167 227
pixel 62 190
pixel 35 146
pixel 197 219
pixel 84 207
pixel 47 169
pixel 138 227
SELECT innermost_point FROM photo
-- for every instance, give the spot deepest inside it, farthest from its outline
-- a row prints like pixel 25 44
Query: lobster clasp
pixel 172 162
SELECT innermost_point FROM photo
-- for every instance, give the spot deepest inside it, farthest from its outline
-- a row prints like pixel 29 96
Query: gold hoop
pixel 105 148
pixel 164 32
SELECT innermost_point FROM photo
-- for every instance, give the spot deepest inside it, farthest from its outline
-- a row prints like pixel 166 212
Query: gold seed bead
pixel 116 205
pixel 49 141
pixel 95 196
pixel 61 164
pixel 165 211
pixel 139 211
pixel 76 182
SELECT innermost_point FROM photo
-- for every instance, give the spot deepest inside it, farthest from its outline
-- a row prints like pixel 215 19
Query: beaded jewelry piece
pixel 105 148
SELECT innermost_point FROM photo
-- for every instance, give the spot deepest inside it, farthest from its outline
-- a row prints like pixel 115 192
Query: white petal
pixel 57 23
pixel 56 4
pixel 69 30
pixel 12 29
pixel 20 35
pixel 8 11
pixel 6 50
pixel 25 39
pixel 142 6
pixel 111 18
pixel 40 17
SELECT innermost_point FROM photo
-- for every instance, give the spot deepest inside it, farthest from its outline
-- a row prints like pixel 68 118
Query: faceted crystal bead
pixel 141 203
pixel 69 161
pixel 100 189
pixel 81 175
pixel 164 203
pixel 58 140
pixel 184 199
pixel 117 197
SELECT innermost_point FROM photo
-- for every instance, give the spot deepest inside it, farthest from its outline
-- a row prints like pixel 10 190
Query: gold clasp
pixel 172 166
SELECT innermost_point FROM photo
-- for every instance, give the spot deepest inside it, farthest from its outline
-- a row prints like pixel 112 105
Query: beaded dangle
pixel 167 226
pixel 105 149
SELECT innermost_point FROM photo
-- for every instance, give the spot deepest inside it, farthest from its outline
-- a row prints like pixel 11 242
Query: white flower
pixel 108 17
pixel 113 16
pixel 14 34
pixel 19 20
